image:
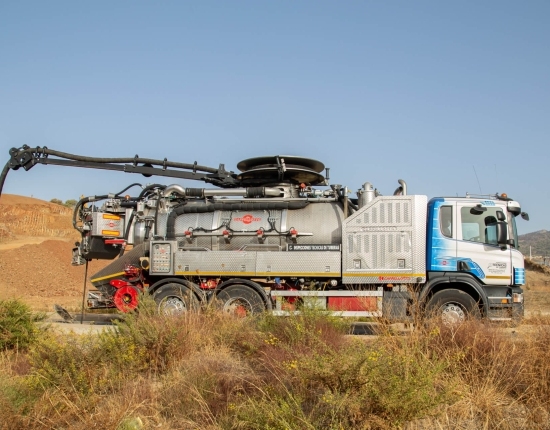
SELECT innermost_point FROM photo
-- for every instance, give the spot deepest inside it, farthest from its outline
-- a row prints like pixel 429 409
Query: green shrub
pixel 310 327
pixel 18 325
pixel 210 370
pixel 101 362
pixel 163 339
pixel 84 364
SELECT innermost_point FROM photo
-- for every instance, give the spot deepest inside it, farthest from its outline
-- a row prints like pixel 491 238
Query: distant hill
pixel 539 241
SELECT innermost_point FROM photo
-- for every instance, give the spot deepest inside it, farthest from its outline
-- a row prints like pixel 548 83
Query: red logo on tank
pixel 247 219
pixel 111 224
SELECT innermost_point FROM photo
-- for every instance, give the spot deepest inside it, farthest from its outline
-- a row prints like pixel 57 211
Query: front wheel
pixel 452 306
pixel 173 299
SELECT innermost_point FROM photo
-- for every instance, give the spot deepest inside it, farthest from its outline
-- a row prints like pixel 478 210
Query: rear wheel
pixel 173 299
pixel 452 306
pixel 240 300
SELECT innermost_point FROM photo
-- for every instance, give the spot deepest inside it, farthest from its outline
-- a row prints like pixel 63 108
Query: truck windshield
pixel 514 232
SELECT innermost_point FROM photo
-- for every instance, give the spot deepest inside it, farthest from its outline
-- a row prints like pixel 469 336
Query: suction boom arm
pixel 27 158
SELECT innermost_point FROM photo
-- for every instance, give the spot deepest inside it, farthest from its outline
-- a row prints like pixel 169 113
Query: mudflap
pixel 394 305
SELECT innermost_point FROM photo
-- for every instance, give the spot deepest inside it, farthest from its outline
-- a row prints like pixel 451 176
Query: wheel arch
pixel 192 286
pixel 463 283
pixel 255 286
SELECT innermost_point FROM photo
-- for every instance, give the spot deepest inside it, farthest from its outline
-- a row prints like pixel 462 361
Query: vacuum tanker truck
pixel 276 237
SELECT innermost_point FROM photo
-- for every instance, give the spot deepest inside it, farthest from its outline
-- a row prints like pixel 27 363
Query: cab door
pixel 477 249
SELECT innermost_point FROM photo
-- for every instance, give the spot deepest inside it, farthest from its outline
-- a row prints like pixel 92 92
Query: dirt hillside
pixel 36 240
pixel 29 217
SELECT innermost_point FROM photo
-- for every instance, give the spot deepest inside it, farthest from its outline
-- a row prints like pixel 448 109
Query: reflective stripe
pixel 107 277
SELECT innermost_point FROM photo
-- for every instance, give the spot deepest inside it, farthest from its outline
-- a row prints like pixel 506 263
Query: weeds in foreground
pixel 215 371
pixel 18 325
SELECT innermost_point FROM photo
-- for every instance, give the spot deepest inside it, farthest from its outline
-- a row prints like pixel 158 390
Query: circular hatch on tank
pixel 280 168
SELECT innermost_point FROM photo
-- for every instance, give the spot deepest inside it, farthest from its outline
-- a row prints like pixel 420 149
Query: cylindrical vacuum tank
pixel 322 222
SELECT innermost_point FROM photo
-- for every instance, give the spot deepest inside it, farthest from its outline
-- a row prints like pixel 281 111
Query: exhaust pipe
pixel 402 190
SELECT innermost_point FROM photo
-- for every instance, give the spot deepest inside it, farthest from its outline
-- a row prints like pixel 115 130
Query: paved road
pixel 91 323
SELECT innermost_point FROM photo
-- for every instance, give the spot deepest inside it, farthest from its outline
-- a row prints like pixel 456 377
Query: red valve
pixel 210 284
pixel 131 271
pixel 118 283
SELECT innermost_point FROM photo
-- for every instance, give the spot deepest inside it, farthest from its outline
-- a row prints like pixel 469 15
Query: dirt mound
pixel 536 267
pixel 36 241
pixel 27 216
pixel 42 274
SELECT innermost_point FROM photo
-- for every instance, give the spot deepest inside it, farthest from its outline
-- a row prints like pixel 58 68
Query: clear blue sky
pixel 426 91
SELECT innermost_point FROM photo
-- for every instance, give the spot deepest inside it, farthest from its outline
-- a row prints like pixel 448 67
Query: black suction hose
pixel 194 167
pixel 148 188
pixel 3 175
pixel 82 202
pixel 127 188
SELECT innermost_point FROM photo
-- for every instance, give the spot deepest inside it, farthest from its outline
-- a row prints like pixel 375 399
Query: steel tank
pixel 316 223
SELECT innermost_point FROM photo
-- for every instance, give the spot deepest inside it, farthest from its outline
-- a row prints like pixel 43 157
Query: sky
pixel 452 97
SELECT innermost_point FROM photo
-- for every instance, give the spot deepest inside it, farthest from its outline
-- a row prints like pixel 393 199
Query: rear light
pixel 115 242
pixel 110 233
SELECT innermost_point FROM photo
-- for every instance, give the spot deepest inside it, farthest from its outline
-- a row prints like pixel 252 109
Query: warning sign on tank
pixel 332 247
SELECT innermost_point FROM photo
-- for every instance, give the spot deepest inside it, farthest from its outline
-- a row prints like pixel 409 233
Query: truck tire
pixel 173 299
pixel 240 300
pixel 452 306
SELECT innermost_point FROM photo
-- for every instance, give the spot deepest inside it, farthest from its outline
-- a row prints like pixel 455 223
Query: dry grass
pixel 537 289
pixel 214 371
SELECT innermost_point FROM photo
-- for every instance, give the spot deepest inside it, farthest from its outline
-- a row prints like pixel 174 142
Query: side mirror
pixel 502 234
pixel 525 216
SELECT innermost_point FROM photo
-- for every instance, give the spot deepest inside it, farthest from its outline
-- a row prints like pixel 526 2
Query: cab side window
pixel 446 221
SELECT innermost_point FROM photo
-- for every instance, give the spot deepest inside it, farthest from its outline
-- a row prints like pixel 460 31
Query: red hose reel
pixel 126 298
